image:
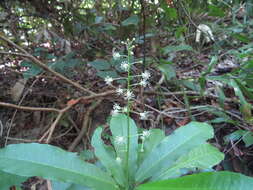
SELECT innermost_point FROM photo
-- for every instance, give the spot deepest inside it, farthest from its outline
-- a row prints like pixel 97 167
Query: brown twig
pixel 52 128
pixel 45 67
pixel 27 108
pixel 207 95
pixel 14 53
pixel 84 126
pixel 50 131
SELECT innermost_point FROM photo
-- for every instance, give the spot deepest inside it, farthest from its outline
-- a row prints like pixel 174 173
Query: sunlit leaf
pixel 202 157
pixel 203 181
pixel 121 138
pixel 107 159
pixel 164 155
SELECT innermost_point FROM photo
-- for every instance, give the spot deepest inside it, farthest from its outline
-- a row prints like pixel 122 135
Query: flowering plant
pixel 135 161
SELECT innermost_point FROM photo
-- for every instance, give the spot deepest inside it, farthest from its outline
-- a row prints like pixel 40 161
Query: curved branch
pixel 45 67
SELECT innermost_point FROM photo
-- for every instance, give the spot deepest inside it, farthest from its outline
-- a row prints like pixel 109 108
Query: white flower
pixel 124 66
pixel 116 55
pixel 144 115
pixel 143 82
pixel 119 91
pixel 119 140
pixel 108 80
pixel 116 109
pixel 146 75
pixel 118 160
pixel 146 133
pixel 129 95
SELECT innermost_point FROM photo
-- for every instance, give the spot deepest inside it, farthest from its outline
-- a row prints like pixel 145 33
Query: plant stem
pixel 128 115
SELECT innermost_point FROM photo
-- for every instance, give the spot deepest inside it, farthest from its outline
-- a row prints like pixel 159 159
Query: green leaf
pixel 171 13
pixel 67 186
pixel 221 96
pixel 182 47
pixel 104 74
pixel 203 181
pixel 168 71
pixel 53 163
pixel 246 136
pixel 241 37
pixel 211 65
pixel 191 85
pixel 172 147
pixel 245 90
pixel 100 64
pixel 64 64
pixel 33 70
pixel 132 20
pixel 7 180
pixel 109 26
pixel 98 19
pixel 108 160
pixel 119 129
pixel 215 11
pixel 180 30
pixel 202 157
pixel 245 107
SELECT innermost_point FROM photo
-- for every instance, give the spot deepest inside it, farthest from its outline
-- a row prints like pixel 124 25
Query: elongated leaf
pixel 203 157
pixel 32 71
pixel 172 147
pixel 168 71
pixel 52 163
pixel 132 20
pixel 100 64
pixel 246 136
pixel 119 129
pixel 182 47
pixel 203 181
pixel 7 180
pixel 68 186
pixel 245 107
pixel 107 159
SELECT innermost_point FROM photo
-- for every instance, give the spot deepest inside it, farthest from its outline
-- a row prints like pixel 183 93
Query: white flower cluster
pixel 117 109
pixel 145 76
pixel 116 55
pixel 120 140
pixel 108 80
pixel 125 66
pixel 143 115
pixel 128 95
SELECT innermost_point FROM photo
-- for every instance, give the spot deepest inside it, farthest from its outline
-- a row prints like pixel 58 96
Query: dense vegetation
pixel 81 75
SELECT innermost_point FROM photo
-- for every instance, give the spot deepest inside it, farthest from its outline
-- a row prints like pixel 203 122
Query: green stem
pixel 128 117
